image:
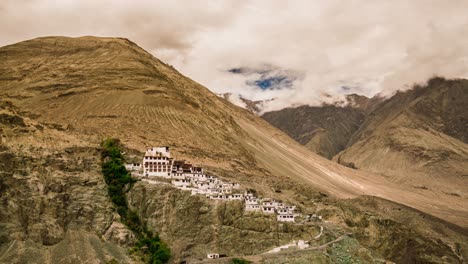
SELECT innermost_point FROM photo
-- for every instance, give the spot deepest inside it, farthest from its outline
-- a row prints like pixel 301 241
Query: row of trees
pixel 119 182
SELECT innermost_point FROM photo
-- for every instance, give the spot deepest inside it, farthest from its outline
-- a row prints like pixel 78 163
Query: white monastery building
pixel 158 163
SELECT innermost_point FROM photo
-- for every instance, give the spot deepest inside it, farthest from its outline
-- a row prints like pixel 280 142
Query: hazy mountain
pixel 61 96
pixel 325 130
pixel 417 137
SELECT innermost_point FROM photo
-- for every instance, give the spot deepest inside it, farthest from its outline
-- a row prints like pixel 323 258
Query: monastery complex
pixel 158 164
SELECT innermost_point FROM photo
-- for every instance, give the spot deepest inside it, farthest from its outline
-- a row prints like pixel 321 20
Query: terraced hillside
pixel 91 88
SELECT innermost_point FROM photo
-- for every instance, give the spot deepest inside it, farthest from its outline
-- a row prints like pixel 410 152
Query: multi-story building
pixel 157 162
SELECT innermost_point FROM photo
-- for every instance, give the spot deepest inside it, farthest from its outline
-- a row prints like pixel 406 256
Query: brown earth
pixel 417 138
pixel 85 89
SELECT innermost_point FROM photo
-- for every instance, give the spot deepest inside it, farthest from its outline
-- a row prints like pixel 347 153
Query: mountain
pixel 60 97
pixel 418 137
pixel 324 130
pixel 252 106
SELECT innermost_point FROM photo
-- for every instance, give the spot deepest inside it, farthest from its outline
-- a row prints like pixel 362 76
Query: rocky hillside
pixel 54 204
pixel 327 129
pixel 61 96
pixel 324 130
pixel 417 137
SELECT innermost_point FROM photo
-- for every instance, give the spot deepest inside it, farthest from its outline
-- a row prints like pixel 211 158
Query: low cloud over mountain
pixel 367 47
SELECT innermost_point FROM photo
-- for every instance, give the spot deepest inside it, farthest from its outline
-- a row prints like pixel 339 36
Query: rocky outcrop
pixel 70 93
pixel 367 230
pixel 402 234
pixel 194 225
pixel 53 201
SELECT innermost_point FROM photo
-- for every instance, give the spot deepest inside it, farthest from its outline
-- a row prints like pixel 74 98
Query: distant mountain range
pixel 60 97
pixel 418 137
pixel 251 105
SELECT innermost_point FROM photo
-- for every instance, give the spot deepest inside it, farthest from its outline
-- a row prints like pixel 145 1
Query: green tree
pixel 118 180
pixel 239 261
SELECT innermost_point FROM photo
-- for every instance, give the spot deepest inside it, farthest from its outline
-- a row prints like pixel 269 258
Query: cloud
pixel 318 46
pixel 267 77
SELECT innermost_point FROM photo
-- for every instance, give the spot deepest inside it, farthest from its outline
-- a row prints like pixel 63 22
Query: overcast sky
pixel 298 52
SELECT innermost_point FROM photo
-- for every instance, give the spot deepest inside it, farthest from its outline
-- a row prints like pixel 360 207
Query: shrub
pixel 239 261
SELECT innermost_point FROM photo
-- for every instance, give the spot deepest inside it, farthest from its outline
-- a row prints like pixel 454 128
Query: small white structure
pixel 133 167
pixel 253 207
pixel 269 203
pixel 212 255
pixel 268 209
pixel 301 244
pixel 219 197
pixel 235 196
pixel 285 217
pixel 249 200
pixel 284 211
pixel 202 185
pixel 181 183
pixel 273 203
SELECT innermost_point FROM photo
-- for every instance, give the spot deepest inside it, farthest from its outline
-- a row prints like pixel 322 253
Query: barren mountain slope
pixel 325 130
pixel 418 138
pixel 54 205
pixel 111 87
pixel 89 88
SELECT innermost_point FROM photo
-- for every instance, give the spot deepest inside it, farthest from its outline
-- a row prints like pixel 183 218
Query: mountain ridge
pixel 72 92
pixel 416 138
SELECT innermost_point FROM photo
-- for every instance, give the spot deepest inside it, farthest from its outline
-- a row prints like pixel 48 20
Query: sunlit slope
pixel 111 87
pixel 283 156
pixel 417 138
